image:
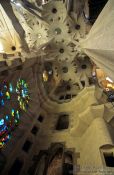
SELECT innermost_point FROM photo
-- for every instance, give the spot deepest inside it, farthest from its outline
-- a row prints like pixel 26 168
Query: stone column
pixel 99 44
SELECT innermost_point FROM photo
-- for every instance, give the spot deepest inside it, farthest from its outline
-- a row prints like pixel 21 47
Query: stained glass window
pixel 5 92
pixel 7 125
pixel 23 94
pixel 18 96
pixel 4 135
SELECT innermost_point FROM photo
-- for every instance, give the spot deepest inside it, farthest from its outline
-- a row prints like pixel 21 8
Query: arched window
pixel 63 122
pixel 9 117
pixel 13 99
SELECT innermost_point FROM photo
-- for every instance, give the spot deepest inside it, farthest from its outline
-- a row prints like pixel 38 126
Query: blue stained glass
pixel 2 102
pixel 7 117
pixel 9 136
pixel 5 87
pixel 23 94
pixel 1 99
pixel 1 122
pixel 1 94
pixel 3 127
pixel 10 87
pixel 17 113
